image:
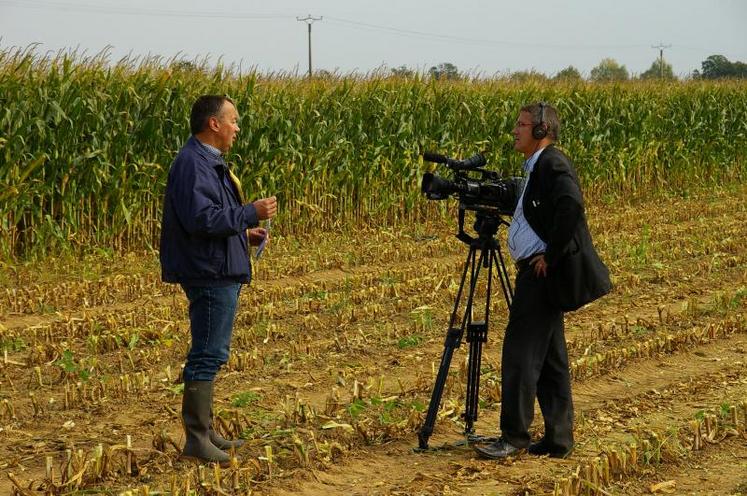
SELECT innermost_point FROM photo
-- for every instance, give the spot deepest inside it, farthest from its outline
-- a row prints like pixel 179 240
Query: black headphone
pixel 539 130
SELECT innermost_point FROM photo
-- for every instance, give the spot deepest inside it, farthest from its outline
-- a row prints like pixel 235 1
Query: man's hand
pixel 540 265
pixel 266 208
pixel 256 235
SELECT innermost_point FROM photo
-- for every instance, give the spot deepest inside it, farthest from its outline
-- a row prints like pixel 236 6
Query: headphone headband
pixel 539 131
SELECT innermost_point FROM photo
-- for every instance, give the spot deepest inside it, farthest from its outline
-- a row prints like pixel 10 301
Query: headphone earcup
pixel 539 131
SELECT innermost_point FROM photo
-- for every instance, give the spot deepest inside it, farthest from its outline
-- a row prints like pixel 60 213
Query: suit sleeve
pixel 197 202
pixel 568 212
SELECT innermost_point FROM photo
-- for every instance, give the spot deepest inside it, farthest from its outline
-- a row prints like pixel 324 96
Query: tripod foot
pixel 469 440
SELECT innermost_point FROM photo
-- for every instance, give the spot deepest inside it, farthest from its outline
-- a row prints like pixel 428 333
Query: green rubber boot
pixel 196 407
pixel 221 442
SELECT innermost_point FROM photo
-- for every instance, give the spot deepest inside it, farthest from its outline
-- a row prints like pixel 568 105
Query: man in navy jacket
pixel 206 230
pixel 557 270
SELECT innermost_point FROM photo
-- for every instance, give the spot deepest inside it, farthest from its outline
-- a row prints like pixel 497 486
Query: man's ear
pixel 213 123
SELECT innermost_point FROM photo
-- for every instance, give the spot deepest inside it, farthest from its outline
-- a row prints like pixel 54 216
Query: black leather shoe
pixel 498 450
pixel 540 448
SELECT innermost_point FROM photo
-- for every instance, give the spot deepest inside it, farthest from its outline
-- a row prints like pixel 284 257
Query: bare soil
pixel 335 348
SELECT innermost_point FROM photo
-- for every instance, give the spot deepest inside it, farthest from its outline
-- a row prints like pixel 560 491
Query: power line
pixel 475 41
pixel 111 9
pixel 100 9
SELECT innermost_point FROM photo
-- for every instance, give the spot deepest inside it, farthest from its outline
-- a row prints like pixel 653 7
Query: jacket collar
pixel 532 161
pixel 539 154
pixel 200 149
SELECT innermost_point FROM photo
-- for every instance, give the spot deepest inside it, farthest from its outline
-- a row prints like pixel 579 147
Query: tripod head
pixel 487 223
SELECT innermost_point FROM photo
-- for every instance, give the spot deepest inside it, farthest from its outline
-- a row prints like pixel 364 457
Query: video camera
pixel 486 193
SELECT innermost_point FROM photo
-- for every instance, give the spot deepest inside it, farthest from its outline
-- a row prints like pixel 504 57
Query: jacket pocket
pixel 207 256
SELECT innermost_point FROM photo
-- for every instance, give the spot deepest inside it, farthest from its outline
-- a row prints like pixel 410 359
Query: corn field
pixel 86 143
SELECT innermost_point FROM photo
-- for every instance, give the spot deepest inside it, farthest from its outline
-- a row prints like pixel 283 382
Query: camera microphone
pixel 473 162
pixel 435 157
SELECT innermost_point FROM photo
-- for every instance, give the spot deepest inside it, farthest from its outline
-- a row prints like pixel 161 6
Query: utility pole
pixel 661 48
pixel 309 21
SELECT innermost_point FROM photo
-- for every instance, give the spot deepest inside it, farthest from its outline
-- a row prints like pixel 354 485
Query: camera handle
pixel 490 256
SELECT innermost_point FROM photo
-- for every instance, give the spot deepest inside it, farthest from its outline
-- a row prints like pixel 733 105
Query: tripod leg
pixel 497 258
pixel 477 334
pixel 473 375
pixel 453 340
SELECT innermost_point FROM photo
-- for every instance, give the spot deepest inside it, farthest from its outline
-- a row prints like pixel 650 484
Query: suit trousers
pixel 535 364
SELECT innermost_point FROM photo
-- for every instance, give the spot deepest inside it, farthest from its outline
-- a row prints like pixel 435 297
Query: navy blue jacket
pixel 203 232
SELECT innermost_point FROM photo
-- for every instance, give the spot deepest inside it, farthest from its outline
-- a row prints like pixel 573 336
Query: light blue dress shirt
pixel 523 242
pixel 213 150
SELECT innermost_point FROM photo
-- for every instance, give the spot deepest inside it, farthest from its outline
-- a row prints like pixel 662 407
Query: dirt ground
pixel 333 361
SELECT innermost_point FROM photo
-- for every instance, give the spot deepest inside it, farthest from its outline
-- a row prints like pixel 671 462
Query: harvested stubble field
pixel 333 361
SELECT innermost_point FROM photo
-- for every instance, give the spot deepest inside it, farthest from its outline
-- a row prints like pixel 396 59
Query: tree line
pixel 714 67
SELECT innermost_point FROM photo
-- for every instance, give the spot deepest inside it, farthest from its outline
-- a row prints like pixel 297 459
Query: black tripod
pixel 486 226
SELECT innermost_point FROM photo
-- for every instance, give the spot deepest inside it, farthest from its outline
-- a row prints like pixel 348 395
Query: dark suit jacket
pixel 554 208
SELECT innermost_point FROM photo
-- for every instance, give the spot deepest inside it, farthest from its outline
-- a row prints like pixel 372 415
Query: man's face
pixel 523 140
pixel 226 125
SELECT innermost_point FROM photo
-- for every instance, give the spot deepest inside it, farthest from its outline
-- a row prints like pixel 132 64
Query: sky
pixel 480 37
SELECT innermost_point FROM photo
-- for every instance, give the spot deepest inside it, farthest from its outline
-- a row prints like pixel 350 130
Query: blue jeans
pixel 211 314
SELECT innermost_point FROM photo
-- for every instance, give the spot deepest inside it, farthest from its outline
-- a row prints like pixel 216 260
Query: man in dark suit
pixel 557 270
